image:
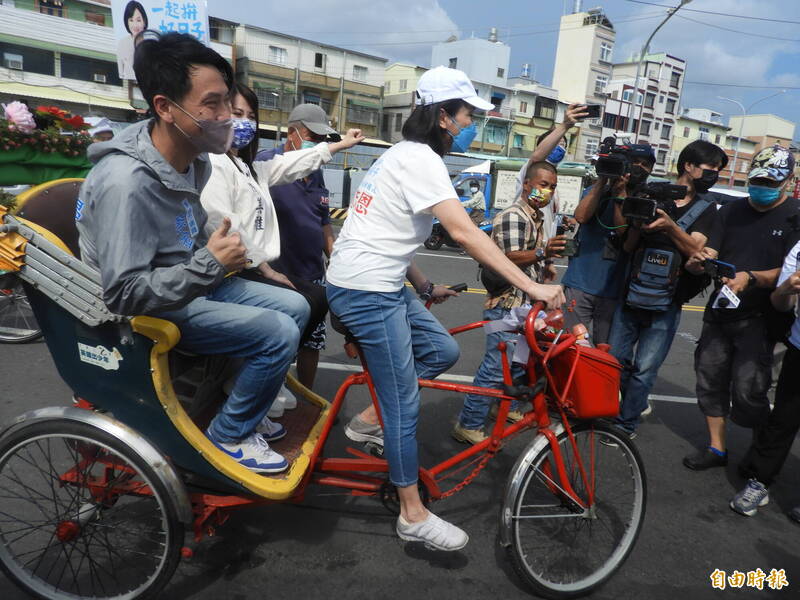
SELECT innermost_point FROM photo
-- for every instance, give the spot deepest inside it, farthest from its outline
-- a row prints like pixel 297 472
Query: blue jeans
pixel 490 374
pixel 651 333
pixel 249 320
pixel 401 341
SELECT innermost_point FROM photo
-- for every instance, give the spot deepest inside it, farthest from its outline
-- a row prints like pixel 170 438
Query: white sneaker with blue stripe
pixel 254 453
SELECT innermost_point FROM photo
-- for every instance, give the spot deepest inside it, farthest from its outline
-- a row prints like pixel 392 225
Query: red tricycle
pixel 97 497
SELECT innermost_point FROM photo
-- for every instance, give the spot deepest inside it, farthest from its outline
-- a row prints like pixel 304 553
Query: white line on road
pixel 469 378
pixel 464 258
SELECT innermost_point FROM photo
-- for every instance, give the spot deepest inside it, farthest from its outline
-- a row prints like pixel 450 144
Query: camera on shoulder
pixel 615 160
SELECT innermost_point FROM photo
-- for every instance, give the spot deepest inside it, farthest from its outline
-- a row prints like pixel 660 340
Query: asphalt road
pixel 336 546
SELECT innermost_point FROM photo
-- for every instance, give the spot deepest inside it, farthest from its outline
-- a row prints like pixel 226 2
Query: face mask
pixel 244 130
pixel 307 144
pixel 464 137
pixel 215 136
pixel 556 155
pixel 539 198
pixel 474 190
pixel 706 181
pixel 638 176
pixel 763 195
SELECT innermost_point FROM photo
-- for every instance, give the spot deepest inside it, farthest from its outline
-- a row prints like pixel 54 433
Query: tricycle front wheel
pixel 17 322
pixel 558 547
pixel 83 515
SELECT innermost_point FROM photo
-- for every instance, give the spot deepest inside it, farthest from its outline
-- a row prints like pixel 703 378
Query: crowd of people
pixel 185 219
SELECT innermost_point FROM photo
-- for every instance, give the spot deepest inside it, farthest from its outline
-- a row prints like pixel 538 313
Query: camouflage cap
pixel 775 162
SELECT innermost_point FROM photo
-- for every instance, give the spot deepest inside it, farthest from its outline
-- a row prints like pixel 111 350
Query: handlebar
pixel 533 343
pixel 457 287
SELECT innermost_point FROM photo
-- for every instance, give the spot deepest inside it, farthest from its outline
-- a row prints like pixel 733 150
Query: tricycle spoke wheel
pixel 391 501
pixel 17 322
pixel 565 549
pixel 82 516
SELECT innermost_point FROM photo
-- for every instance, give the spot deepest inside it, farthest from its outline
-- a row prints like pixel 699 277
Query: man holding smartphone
pixel 734 356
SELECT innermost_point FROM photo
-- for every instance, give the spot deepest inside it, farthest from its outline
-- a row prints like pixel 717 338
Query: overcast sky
pixel 763 52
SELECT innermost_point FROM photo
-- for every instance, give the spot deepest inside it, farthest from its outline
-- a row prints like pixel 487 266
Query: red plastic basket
pixel 594 389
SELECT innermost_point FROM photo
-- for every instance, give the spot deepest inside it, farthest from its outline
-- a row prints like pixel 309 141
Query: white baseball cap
pixel 441 84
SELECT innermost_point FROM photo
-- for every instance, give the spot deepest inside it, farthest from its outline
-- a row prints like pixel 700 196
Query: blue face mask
pixel 307 144
pixel 556 155
pixel 763 195
pixel 463 139
pixel 244 130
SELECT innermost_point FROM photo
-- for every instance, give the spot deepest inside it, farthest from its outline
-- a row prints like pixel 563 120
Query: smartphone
pixel 594 111
pixel 718 269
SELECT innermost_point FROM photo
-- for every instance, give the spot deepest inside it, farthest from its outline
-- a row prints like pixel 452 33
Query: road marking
pixel 357 369
pixel 465 258
pixel 469 378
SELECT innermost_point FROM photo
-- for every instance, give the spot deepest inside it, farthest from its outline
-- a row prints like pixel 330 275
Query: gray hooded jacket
pixel 142 226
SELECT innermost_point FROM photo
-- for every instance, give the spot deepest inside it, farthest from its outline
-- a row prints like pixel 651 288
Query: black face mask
pixel 706 181
pixel 638 176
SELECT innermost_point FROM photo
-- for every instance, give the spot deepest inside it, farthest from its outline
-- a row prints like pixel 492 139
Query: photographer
pixel 772 440
pixel 733 360
pixel 595 276
pixel 646 320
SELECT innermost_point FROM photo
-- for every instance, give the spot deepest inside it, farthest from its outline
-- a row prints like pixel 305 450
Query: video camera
pixel 644 202
pixel 615 160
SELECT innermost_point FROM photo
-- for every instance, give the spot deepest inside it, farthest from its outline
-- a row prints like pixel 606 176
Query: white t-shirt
pixel 389 218
pixel 791 265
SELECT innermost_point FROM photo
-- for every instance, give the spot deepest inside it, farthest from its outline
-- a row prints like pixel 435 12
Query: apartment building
pixel 646 110
pixel 696 124
pixel 285 71
pixel 583 69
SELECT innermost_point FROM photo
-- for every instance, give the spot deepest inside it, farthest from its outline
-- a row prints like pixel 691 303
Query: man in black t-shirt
pixel 647 318
pixel 733 359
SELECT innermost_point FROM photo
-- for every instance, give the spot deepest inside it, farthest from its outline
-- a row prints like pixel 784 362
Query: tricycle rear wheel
pixel 83 515
pixel 17 322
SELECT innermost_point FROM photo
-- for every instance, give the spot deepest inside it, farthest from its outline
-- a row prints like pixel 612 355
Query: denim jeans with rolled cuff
pixel 249 320
pixel 640 340
pixel 401 341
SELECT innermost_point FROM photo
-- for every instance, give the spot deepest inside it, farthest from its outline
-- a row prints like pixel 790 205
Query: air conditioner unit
pixel 13 61
pixel 99 77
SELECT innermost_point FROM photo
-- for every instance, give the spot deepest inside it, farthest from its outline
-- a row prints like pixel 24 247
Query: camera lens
pixel 723 302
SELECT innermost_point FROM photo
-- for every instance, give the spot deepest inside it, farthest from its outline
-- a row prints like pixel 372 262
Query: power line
pixel 709 12
pixel 736 85
pixel 759 35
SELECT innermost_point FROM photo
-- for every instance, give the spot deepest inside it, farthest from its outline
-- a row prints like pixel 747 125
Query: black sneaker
pixel 704 459
pixel 794 514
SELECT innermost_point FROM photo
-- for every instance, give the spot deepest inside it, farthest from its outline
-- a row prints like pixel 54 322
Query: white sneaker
pixel 287 397
pixel 254 453
pixel 647 410
pixel 434 532
pixel 270 431
pixel 276 410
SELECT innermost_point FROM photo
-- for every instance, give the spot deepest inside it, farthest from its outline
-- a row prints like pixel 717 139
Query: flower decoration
pixel 19 116
pixel 48 129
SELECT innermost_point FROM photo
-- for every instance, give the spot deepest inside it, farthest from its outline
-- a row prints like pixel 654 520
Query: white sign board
pixel 505 189
pixel 163 16
pixel 570 188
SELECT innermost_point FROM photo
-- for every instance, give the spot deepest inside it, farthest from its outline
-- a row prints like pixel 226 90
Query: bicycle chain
pixel 468 479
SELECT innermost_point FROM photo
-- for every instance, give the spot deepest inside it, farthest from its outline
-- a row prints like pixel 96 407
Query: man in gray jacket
pixel 141 225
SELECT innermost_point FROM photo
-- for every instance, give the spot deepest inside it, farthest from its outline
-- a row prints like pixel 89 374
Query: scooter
pixel 439 235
